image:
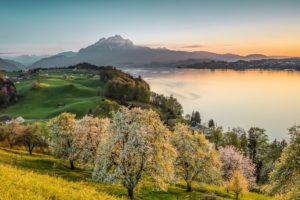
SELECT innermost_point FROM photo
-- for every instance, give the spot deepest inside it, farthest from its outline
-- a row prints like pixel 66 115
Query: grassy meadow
pixel 57 93
pixel 42 176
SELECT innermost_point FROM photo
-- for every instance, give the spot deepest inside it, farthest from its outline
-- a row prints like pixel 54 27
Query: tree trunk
pixel 237 196
pixel 30 149
pixel 72 166
pixel 188 187
pixel 130 193
pixel 9 143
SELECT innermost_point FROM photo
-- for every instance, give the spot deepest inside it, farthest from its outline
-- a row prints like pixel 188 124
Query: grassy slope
pixel 17 184
pixel 43 177
pixel 77 95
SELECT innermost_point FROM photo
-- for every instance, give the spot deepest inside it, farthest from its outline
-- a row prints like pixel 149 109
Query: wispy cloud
pixel 9 53
pixel 193 46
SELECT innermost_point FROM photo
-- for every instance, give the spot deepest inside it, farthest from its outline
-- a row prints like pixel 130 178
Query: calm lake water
pixel 267 99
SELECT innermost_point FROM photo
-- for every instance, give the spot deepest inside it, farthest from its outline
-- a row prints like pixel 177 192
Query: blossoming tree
pixel 61 130
pixel 138 144
pixel 197 159
pixel 238 184
pixel 232 160
pixel 88 134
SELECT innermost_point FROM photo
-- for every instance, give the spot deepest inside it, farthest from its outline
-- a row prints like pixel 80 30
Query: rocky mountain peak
pixel 114 40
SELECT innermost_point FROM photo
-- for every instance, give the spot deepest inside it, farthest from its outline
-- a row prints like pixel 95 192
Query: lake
pixel 267 99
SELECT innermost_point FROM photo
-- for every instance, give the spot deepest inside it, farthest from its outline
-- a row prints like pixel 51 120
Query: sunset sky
pixel 270 27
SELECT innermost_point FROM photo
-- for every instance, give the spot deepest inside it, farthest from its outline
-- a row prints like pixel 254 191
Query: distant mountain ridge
pixel 26 60
pixel 121 52
pixel 10 65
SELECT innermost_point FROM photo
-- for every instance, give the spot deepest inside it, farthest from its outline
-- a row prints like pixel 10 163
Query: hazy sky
pixel 270 27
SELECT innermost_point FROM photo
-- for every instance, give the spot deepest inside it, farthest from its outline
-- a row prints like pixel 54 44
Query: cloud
pixel 194 96
pixel 9 53
pixel 193 46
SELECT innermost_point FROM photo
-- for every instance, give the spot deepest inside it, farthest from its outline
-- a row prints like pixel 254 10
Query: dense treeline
pixel 169 108
pixel 269 64
pixel 125 89
pixel 253 144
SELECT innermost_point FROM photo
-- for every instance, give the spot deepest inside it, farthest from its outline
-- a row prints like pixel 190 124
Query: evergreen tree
pixel 257 147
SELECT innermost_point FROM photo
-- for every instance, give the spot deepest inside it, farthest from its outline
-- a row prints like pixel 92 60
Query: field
pixel 41 176
pixel 56 93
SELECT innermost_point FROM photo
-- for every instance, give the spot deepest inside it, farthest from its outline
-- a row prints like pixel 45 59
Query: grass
pixel 19 184
pixel 56 94
pixel 42 176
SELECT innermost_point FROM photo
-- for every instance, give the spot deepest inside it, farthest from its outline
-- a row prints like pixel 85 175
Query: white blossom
pixel 197 160
pixel 89 132
pixel 61 130
pixel 232 160
pixel 137 143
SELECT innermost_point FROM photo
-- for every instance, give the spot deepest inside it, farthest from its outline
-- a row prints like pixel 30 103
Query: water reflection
pixel 268 99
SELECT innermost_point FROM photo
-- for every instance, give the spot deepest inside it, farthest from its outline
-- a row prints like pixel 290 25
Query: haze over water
pixel 267 99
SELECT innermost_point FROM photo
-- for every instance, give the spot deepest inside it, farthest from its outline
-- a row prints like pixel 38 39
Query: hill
pixel 79 89
pixel 121 52
pixel 25 60
pixel 9 65
pixel 43 177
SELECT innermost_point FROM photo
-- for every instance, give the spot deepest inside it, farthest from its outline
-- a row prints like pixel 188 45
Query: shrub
pixel 11 132
pixel 106 107
pixel 238 184
pixel 8 92
pixel 35 85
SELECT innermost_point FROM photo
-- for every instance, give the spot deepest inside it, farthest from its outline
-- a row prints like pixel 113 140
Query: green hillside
pixel 45 93
pixel 43 177
pixel 56 94
pixel 83 89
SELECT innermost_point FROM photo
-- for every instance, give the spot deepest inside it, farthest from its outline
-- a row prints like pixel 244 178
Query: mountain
pixel 122 52
pixel 9 65
pixel 255 57
pixel 26 60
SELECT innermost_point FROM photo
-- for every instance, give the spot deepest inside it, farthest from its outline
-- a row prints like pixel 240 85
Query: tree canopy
pixel 137 144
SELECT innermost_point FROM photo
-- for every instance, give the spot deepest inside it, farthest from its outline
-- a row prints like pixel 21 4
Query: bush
pixel 35 85
pixel 8 92
pixel 106 107
pixel 10 132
